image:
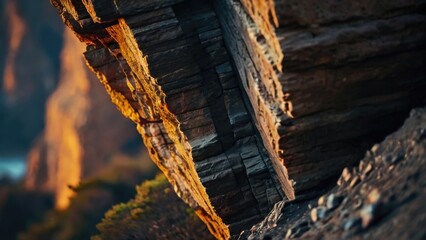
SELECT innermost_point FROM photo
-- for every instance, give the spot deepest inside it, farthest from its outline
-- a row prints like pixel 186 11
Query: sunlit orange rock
pixel 81 130
pixel 17 30
pixel 234 127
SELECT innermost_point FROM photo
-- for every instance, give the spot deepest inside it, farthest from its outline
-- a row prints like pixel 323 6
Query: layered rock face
pixel 28 30
pixel 352 71
pixel 74 144
pixel 168 70
pixel 232 131
pixel 381 198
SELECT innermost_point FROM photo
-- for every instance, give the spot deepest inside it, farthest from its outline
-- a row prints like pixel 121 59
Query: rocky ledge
pixel 382 198
pixel 234 127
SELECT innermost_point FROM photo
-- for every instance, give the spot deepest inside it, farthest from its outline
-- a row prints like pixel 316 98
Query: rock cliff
pixel 234 127
pixel 381 198
pixel 352 72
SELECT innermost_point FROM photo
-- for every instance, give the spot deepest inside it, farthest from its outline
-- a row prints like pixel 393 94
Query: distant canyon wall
pixel 29 30
pixel 81 133
pixel 46 85
pixel 244 103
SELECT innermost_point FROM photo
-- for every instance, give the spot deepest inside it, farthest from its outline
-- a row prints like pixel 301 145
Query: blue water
pixel 13 167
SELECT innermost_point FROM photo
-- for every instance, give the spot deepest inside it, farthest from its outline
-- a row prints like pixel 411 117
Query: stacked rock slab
pixel 350 75
pixel 166 67
pixel 203 81
pixel 352 71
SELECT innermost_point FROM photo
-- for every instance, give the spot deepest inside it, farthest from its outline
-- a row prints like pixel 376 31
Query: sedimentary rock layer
pixel 166 68
pixel 249 33
pixel 381 198
pixel 352 71
pixel 231 125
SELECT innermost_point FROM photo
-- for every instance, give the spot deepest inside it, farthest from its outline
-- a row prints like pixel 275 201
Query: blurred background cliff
pixel 59 132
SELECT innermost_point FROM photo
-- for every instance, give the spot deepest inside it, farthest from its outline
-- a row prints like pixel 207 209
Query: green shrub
pixel 155 213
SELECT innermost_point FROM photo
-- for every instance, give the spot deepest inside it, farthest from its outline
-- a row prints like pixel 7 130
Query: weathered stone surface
pixel 173 76
pixel 204 82
pixel 248 32
pixel 388 203
pixel 352 71
pixel 313 13
pixel 343 81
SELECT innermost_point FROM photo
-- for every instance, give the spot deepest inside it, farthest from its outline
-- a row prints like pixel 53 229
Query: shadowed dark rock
pixel 233 127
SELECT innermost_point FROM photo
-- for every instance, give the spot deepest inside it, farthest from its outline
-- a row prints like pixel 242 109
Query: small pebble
pixel 322 212
pixel 375 148
pixel 333 201
pixel 368 169
pixel 369 214
pixel 374 196
pixel 351 222
pixel 366 215
pixel 318 213
pixel 346 174
pixel 354 182
pixel 321 201
pixel 378 159
pixel 314 215
pixel 288 234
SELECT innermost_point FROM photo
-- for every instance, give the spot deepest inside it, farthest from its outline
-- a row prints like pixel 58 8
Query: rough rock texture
pixel 167 69
pixel 352 71
pixel 74 144
pixel 382 198
pixel 204 82
pixel 28 30
pixel 250 37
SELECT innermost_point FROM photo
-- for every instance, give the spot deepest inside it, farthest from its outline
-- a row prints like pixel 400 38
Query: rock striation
pixel 352 72
pixel 234 127
pixel 382 197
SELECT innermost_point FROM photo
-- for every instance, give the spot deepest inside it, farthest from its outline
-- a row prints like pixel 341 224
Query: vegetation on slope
pixel 155 213
pixel 92 199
